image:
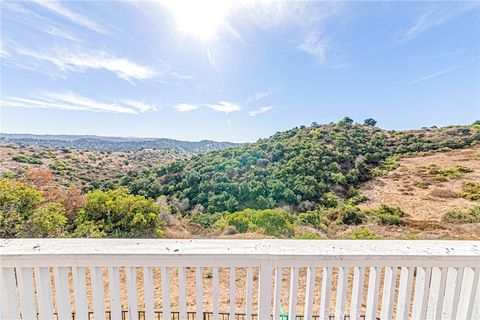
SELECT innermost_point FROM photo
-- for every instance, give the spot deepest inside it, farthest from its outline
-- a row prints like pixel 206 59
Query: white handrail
pixel 376 278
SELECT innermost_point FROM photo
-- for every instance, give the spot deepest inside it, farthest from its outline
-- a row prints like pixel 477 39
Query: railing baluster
pixel 309 291
pixel 80 292
pixel 441 294
pixel 182 293
pixel 372 294
pixel 473 293
pixel 325 297
pixel 404 293
pixel 148 293
pixel 232 293
pixel 199 292
pixel 114 290
pixel 292 302
pixel 457 292
pixel 26 293
pixel 342 286
pixel 248 294
pixel 166 306
pixel 277 295
pixel 132 299
pixel 44 293
pixel 420 297
pixel 8 294
pixel 388 292
pixel 265 290
pixel 98 294
pixel 357 293
pixel 62 290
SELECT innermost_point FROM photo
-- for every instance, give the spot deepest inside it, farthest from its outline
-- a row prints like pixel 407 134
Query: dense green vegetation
pixel 301 183
pixel 295 169
pixel 27 210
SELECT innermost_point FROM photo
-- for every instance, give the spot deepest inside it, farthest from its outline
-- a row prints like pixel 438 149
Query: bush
pixel 308 236
pixel 471 191
pixel 461 216
pixel 26 159
pixel 18 203
pixel 119 214
pixel 455 172
pixel 48 221
pixel 346 214
pixel 386 215
pixel 271 222
pixel 206 220
pixel 315 218
pixel 361 234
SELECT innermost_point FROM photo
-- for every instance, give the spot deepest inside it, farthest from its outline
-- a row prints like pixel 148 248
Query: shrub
pixel 306 235
pixel 315 218
pixel 455 172
pixel 389 164
pixel 206 220
pixel 26 159
pixel 361 234
pixel 271 222
pixel 48 221
pixel 387 215
pixel 463 216
pixel 346 214
pixel 18 202
pixel 471 190
pixel 121 215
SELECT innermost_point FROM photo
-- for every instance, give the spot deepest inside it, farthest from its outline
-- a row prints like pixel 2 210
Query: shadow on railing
pixel 206 316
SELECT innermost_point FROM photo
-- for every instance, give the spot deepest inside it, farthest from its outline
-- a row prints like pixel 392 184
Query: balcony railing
pixel 238 279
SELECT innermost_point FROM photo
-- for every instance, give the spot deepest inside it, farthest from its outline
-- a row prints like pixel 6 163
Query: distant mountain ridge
pixel 114 144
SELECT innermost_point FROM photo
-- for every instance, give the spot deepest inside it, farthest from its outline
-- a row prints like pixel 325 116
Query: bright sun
pixel 201 19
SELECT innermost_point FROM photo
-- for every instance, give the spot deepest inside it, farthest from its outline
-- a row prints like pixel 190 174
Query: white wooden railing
pixel 117 278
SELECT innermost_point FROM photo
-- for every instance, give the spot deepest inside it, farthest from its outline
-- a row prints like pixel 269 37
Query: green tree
pixel 116 213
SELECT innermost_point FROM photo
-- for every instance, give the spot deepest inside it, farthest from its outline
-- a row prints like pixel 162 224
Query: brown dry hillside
pixel 426 187
pixel 80 167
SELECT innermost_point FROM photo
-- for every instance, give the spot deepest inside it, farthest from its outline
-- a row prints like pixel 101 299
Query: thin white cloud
pixel 254 113
pixel 224 106
pixel 261 94
pixel 141 106
pixel 433 75
pixel 176 75
pixel 437 16
pixel 315 45
pixel 37 22
pixel 56 7
pixel 79 62
pixel 72 101
pixel 185 107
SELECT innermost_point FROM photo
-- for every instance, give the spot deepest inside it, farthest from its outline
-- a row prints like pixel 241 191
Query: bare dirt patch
pixel 419 190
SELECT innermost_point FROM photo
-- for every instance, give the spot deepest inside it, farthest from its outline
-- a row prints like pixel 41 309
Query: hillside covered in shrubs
pixel 302 183
pixel 295 169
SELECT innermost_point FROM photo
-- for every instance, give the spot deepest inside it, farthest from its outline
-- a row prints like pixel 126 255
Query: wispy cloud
pixel 72 101
pixel 315 45
pixel 433 75
pixel 56 7
pixel 185 107
pixel 254 113
pixel 82 61
pixel 261 94
pixel 224 106
pixel 221 106
pixel 437 16
pixel 37 22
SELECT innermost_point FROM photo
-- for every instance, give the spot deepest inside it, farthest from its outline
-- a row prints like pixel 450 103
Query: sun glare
pixel 201 19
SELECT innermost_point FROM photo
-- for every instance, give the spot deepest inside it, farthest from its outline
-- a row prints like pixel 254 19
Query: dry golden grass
pixel 415 187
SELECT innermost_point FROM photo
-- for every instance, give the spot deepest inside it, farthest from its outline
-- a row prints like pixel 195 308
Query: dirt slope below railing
pixel 419 191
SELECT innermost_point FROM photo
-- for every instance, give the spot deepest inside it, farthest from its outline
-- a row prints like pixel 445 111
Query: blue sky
pixel 235 71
